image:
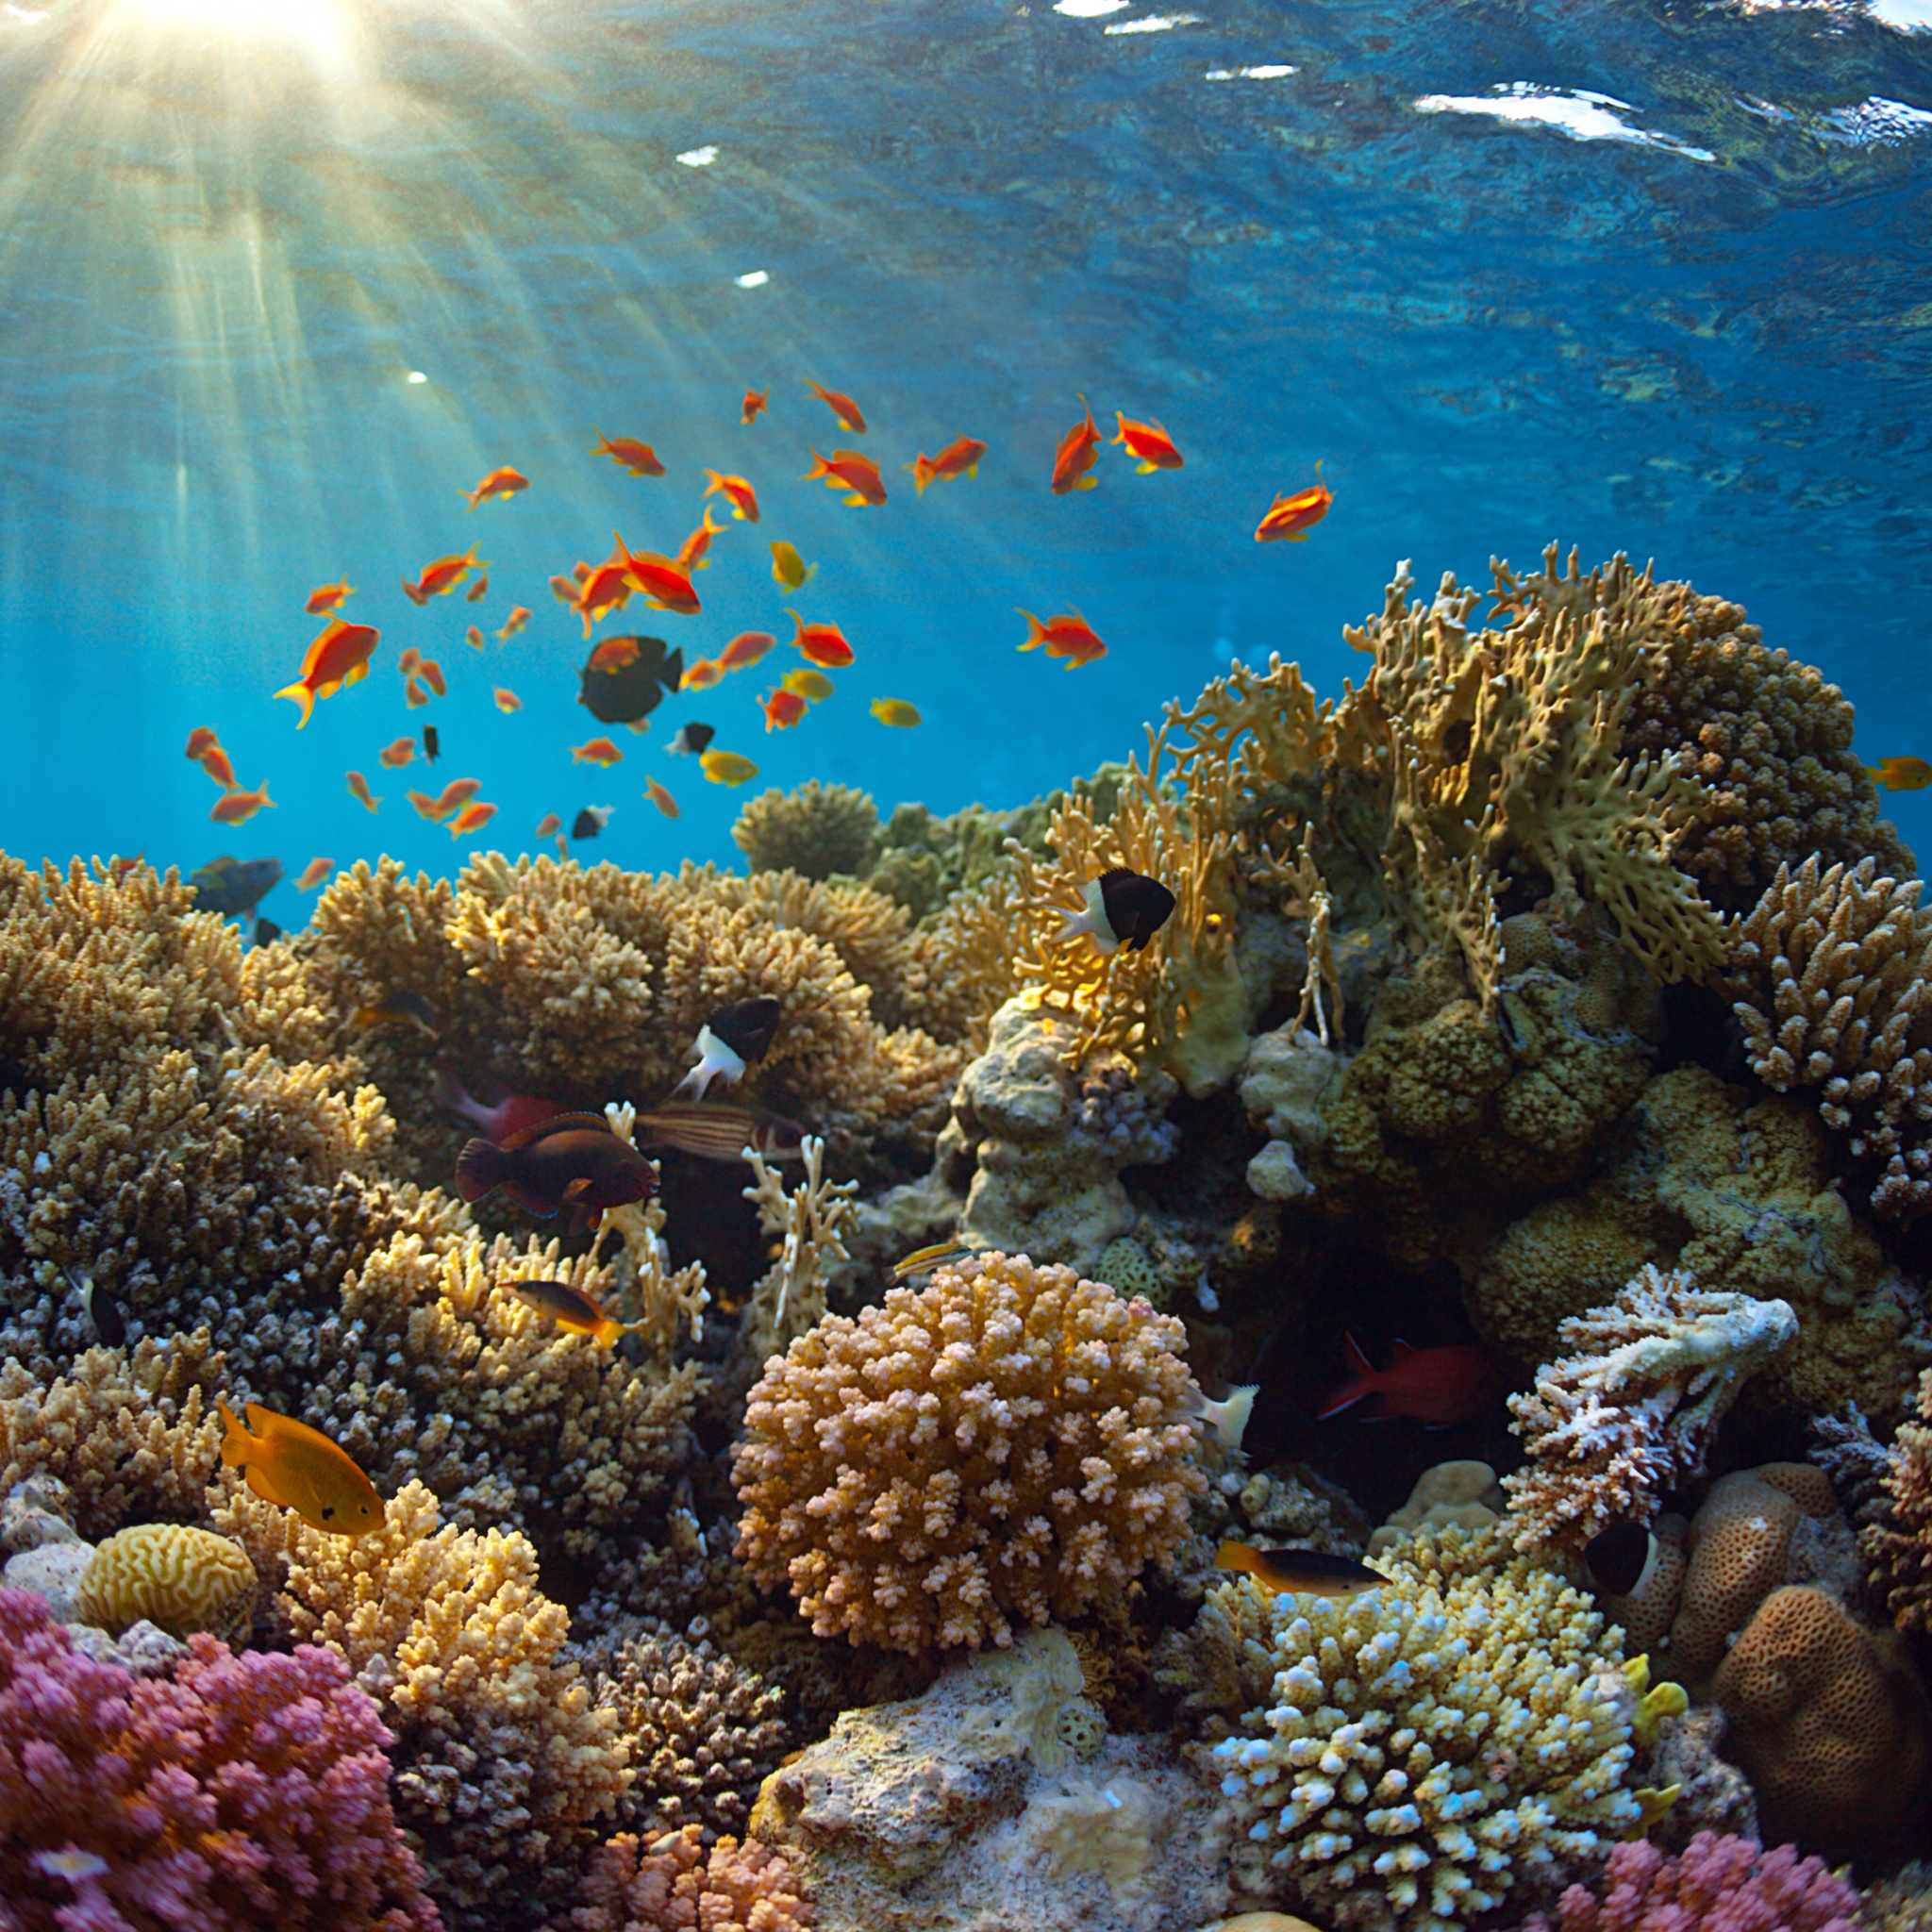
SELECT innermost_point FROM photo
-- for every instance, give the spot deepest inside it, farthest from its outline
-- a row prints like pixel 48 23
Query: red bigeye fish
pixel 824 644
pixel 755 402
pixel 843 407
pixel 640 458
pixel 503 481
pixel 1075 456
pixel 738 492
pixel 959 459
pixel 1427 1385
pixel 846 469
pixel 572 1160
pixel 510 1115
pixel 1290 518
pixel 339 655
pixel 1148 444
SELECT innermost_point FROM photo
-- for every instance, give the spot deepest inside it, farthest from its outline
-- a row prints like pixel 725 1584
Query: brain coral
pixel 178 1577
pixel 1009 1443
pixel 1408 1760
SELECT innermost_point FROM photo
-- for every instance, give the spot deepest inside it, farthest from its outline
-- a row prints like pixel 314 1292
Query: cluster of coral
pixel 1544 1018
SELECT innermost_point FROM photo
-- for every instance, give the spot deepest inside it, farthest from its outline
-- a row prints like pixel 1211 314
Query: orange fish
pixel 743 498
pixel 512 623
pixel 755 401
pixel 744 650
pixel 410 662
pixel 358 790
pixel 414 695
pixel 473 818
pixel 457 791
pixel 562 846
pixel 339 655
pixel 1290 518
pixel 783 708
pixel 238 807
pixel 324 598
pixel 432 676
pixel 122 867
pixel 1148 443
pixel 959 459
pixel 691 552
pixel 508 701
pixel 441 577
pixel 214 762
pixel 824 644
pixel 313 873
pixel 606 588
pixel 614 654
pixel 1075 456
pixel 595 751
pixel 548 825
pixel 473 638
pixel 564 590
pixel 200 738
pixel 843 407
pixel 847 469
pixel 426 804
pixel 503 482
pixel 399 754
pixel 640 458
pixel 478 591
pixel 662 585
pixel 1069 636
pixel 702 675
pixel 661 798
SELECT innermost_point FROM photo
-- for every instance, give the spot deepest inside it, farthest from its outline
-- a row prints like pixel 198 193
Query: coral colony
pixel 1327 1323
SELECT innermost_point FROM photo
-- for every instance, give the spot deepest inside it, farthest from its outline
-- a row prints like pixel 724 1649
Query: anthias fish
pixel 592 821
pixel 1427 1384
pixel 570 1309
pixel 822 644
pixel 720 1132
pixel 691 741
pixel 339 656
pixel 843 407
pixel 595 751
pixel 200 740
pixel 358 790
pixel 738 492
pixel 692 553
pixel 398 1010
pixel 216 764
pixel 1069 636
pixel 1622 1559
pixel 478 591
pixel 501 482
pixel 473 818
pixel 660 581
pixel 1122 908
pixel 640 458
pixel 1149 445
pixel 313 873
pixel 326 598
pixel 733 1038
pixel 846 469
pixel 959 459
pixel 401 752
pixel 237 806
pixel 783 710
pixel 234 887
pixel 519 616
pixel 510 1115
pixel 755 401
pixel 1301 1573
pixel 1290 518
pixel 572 1160
pixel 437 579
pixel 661 799
pixel 548 825
pixel 288 1463
pixel 626 678
pixel 507 700
pixel 747 648
pixel 1073 459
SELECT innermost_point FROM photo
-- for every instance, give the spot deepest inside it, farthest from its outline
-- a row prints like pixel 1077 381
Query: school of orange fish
pixel 341 651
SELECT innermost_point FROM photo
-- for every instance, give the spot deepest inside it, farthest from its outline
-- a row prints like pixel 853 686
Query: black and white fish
pixel 1122 908
pixel 733 1038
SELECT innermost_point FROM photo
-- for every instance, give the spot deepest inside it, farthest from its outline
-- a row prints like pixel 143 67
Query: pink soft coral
pixel 241 1792
pixel 1714 1885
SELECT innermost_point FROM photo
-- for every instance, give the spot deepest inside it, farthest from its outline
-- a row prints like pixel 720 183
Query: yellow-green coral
pixel 816 831
pixel 180 1578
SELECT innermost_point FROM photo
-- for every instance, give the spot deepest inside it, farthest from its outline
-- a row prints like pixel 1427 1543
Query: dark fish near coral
pixel 1301 1573
pixel 592 821
pixel 298 1468
pixel 619 688
pixel 398 1010
pixel 103 1310
pixel 266 932
pixel 572 1160
pixel 234 887
pixel 1429 1385
pixel 1123 909
pixel 432 745
pixel 720 1133
pixel 733 1038
pixel 1621 1560
pixel 691 741
pixel 509 1116
pixel 570 1309
pixel 927 1260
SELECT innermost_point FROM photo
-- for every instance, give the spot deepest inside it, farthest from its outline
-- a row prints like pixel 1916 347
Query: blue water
pixel 1670 295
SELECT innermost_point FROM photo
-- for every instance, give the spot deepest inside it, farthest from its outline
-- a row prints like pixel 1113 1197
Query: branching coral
pixel 1410 1759
pixel 670 1883
pixel 814 831
pixel 1009 1443
pixel 1893 1495
pixel 1632 1412
pixel 791 1297
pixel 1714 1885
pixel 240 1792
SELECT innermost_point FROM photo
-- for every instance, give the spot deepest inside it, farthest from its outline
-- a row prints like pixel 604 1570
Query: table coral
pixel 671 1883
pixel 816 831
pixel 241 1792
pixel 1632 1412
pixel 1010 1443
pixel 1410 1759
pixel 1714 1885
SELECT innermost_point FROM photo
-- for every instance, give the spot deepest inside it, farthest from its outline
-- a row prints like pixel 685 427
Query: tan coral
pixel 790 1297
pixel 814 831
pixel 670 1883
pixel 180 1578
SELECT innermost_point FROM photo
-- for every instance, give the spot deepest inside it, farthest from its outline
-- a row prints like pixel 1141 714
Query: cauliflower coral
pixel 1010 1443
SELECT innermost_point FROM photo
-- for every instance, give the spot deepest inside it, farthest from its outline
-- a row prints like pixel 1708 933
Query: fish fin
pixel 480 1167
pixel 856 500
pixel 1345 1397
pixel 358 673
pixel 531 1203
pixel 1146 469
pixel 1086 482
pixel 556 1124
pixel 1074 925
pixel 1297 536
pixel 236 1442
pixel 577 1189
pixel 303 696
pixel 1403 1350
pixel 811 570
pixel 1357 1359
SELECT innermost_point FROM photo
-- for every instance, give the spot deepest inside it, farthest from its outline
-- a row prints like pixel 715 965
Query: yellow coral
pixel 815 831
pixel 180 1578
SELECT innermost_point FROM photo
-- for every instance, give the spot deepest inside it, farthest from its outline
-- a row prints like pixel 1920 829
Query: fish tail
pixel 819 468
pixel 1073 923
pixel 1036 631
pixel 480 1167
pixel 237 1442
pixel 1233 1556
pixel 303 696
pixel 1086 482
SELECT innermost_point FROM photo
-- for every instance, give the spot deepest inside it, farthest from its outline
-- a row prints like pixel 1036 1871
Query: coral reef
pixel 1894 1495
pixel 807 1223
pixel 238 1792
pixel 1631 1413
pixel 671 1883
pixel 1729 1883
pixel 1009 1443
pixel 814 831
pixel 177 1577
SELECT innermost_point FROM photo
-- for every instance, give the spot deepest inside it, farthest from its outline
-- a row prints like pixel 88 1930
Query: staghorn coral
pixel 671 1883
pixel 1008 1443
pixel 179 1578
pixel 1632 1412
pixel 1415 1757
pixel 1714 1885
pixel 790 1296
pixel 240 1791
pixel 816 831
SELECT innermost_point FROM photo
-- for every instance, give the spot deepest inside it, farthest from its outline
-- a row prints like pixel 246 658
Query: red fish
pixel 738 492
pixel 358 790
pixel 824 644
pixel 661 798
pixel 324 598
pixel 508 701
pixel 1069 636
pixel 1148 443
pixel 473 638
pixel 702 675
pixel 959 459
pixel 339 655
pixel 503 481
pixel 441 577
pixel 606 588
pixel 845 468
pixel 431 672
pixel 478 591
pixel 691 552
pixel 614 654
pixel 200 738
pixel 1075 456
pixel 457 791
pixel 565 589
pixel 427 807
pixel 238 807
pixel 508 1116
pixel 1290 518
pixel 596 751
pixel 843 407
pixel 399 754
pixel 662 585
pixel 570 1160
pixel 313 873
pixel 214 762
pixel 640 458
pixel 755 401
pixel 744 650
pixel 549 824
pixel 512 623
pixel 473 818
pixel 1429 1385
pixel 783 710
pixel 414 695
pixel 410 662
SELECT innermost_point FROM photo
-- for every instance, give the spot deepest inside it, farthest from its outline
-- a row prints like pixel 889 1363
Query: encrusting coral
pixel 1009 1444
pixel 814 831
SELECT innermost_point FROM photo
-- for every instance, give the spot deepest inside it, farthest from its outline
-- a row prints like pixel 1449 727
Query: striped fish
pixel 719 1132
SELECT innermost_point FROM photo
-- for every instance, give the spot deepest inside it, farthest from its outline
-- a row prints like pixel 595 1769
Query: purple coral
pixel 240 1792
pixel 1714 1885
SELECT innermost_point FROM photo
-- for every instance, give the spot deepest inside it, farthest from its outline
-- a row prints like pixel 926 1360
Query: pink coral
pixel 244 1791
pixel 670 1884
pixel 1714 1885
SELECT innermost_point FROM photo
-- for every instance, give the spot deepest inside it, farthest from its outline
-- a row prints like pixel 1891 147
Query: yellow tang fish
pixel 896 711
pixel 1900 775
pixel 298 1468
pixel 571 1309
pixel 808 683
pixel 790 570
pixel 728 768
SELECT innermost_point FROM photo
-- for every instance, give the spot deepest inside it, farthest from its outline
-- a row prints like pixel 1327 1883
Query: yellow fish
pixel 814 686
pixel 790 570
pixel 1900 775
pixel 923 1260
pixel 728 768
pixel 1301 1573
pixel 298 1468
pixel 897 712
pixel 575 1312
